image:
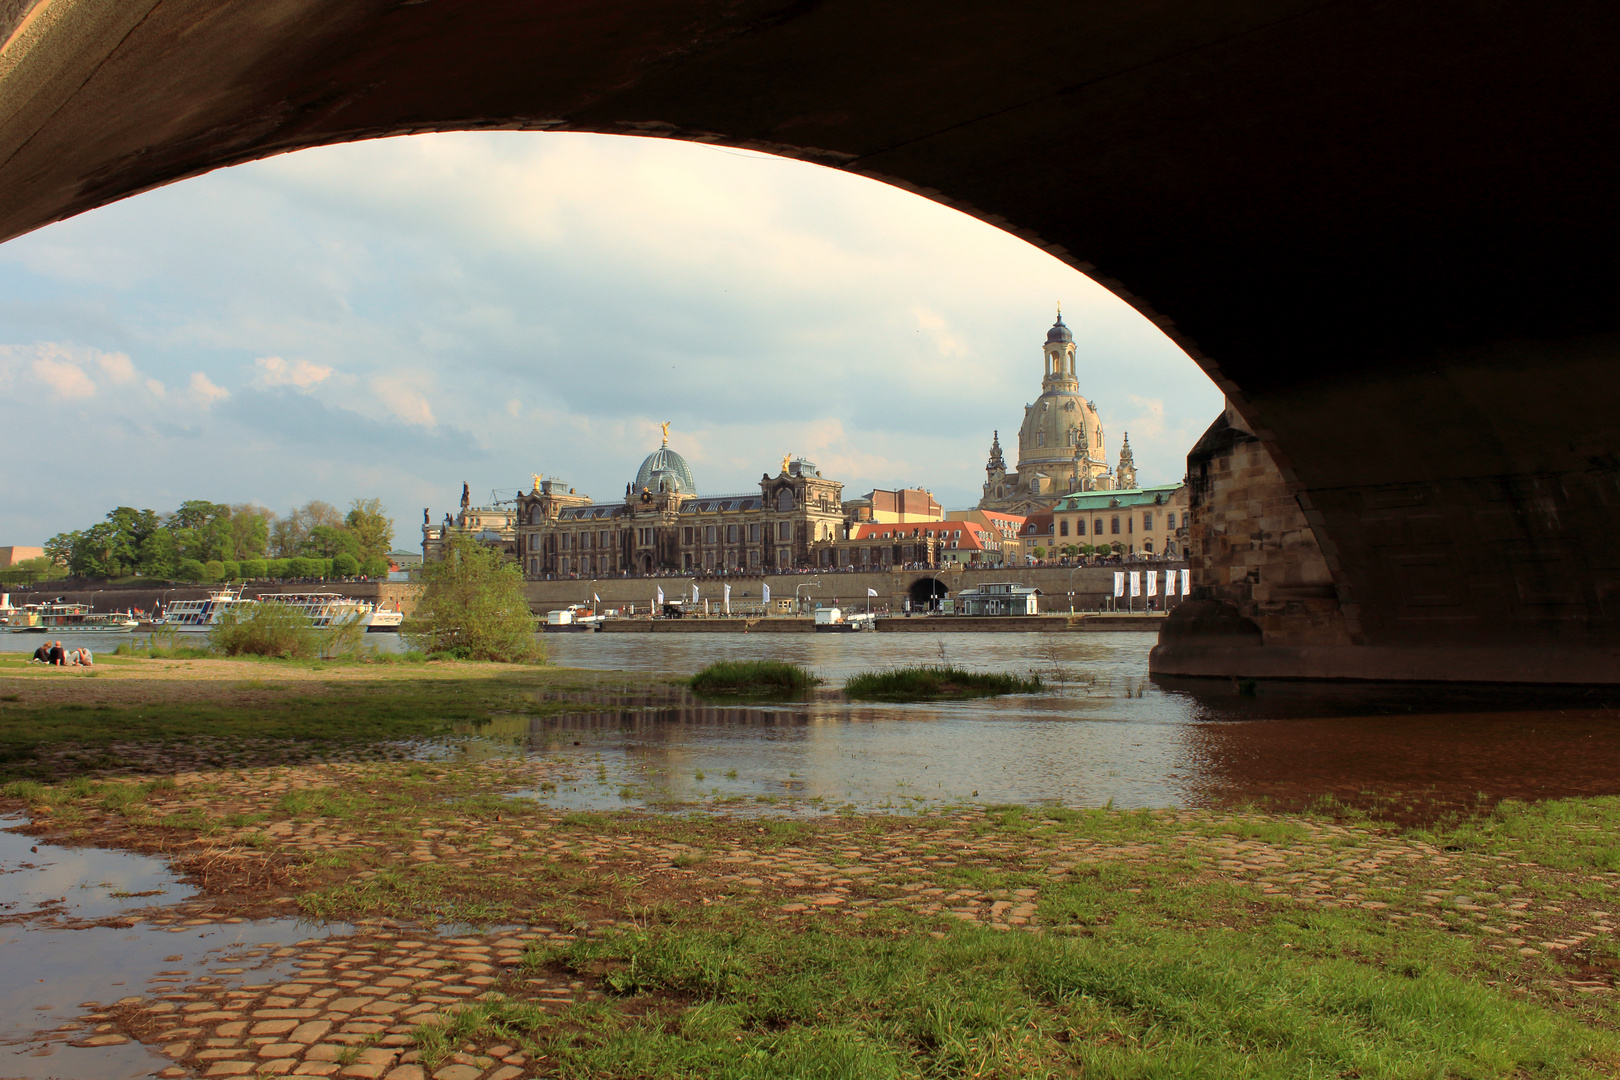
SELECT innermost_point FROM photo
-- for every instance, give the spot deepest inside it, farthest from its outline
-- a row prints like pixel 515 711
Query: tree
pixel 191 570
pixel 202 530
pixel 369 523
pixel 345 565
pixel 59 549
pixel 250 530
pixel 375 567
pixel 288 534
pixel 473 606
pixel 330 541
pixel 1038 551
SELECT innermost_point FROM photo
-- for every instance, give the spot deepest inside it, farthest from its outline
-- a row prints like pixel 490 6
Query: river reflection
pixel 1104 734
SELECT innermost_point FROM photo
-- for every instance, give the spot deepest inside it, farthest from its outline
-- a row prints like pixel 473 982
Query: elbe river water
pixel 1104 732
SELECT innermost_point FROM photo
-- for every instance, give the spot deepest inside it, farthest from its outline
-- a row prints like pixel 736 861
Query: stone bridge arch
pixel 1387 231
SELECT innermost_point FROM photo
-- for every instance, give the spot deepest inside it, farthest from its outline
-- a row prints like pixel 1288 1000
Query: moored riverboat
pixel 56 616
pixel 201 616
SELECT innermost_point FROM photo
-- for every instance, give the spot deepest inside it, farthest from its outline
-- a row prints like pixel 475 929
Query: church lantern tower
pixel 1060 442
pixel 1125 473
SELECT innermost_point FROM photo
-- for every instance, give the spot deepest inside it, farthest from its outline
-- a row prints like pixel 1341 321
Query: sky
pixel 392 318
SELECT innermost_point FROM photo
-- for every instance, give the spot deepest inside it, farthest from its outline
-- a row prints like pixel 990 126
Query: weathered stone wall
pixel 1093 586
pixel 1250 546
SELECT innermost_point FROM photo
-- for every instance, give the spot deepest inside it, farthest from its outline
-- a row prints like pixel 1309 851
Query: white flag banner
pixel 1169 583
pixel 1152 582
pixel 1185 576
pixel 871 592
pixel 1136 583
pixel 1119 583
pixel 766 594
pixel 660 600
pixel 694 592
pixel 596 598
pixel 728 598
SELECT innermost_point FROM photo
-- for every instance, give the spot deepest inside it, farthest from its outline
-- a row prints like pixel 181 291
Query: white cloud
pixel 204 392
pixel 156 388
pixel 514 407
pixel 118 367
pixel 66 379
pixel 274 371
pixel 406 403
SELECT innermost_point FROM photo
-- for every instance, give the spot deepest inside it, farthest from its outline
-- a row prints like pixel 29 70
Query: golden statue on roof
pixel 537 478
pixel 665 427
pixel 785 462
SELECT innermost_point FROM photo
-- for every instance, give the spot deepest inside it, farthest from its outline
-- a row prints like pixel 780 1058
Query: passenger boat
pixel 326 610
pixel 201 616
pixel 56 616
pixel 838 621
pixel 574 619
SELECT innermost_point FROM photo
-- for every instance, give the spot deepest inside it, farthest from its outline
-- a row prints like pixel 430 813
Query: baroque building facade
pixel 1061 446
pixel 663 526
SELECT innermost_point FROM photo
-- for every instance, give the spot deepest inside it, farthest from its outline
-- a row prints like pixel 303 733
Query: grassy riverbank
pixel 1002 941
pixel 128 712
pixel 973 941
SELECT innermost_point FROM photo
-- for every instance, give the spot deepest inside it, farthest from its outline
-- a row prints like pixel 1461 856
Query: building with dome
pixel 664 526
pixel 1061 448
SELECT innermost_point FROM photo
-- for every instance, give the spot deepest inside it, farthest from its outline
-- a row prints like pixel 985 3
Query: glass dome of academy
pixel 1061 448
pixel 665 466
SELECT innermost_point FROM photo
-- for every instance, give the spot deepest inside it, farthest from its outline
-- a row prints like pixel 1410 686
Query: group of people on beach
pixel 53 654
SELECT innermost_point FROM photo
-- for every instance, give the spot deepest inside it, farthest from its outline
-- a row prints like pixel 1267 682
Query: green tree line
pixel 208 541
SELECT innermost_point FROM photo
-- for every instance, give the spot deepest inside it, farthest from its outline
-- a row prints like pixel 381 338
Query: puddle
pixel 56 979
pixel 44 881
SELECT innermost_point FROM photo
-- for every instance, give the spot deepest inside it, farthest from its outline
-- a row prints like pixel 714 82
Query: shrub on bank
pixel 473 607
pixel 268 629
pixel 752 677
pixel 920 683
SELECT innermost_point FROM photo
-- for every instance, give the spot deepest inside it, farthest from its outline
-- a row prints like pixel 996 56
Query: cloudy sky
pixel 392 318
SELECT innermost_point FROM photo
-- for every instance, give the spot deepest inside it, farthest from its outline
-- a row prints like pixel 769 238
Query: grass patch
pixel 1132 1003
pixel 300 716
pixel 759 677
pixel 924 683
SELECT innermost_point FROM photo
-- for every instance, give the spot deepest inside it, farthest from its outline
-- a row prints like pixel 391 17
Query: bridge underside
pixel 1387 230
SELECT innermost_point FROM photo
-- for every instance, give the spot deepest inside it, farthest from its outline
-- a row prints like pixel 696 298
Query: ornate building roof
pixel 665 466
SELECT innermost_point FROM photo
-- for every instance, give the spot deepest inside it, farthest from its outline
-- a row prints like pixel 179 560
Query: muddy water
pixel 58 968
pixel 1104 733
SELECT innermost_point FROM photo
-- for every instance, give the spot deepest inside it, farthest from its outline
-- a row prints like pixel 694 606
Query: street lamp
pixel 1071 589
pixel 934 601
pixel 805 585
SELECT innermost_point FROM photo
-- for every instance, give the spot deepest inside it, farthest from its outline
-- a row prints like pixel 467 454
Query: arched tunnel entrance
pixel 927 593
pixel 1385 231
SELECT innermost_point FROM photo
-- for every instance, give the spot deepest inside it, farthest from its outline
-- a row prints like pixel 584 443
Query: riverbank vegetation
pixel 750 677
pixel 204 541
pixel 279 630
pixel 927 683
pixel 999 941
pixel 473 607
pixel 170 713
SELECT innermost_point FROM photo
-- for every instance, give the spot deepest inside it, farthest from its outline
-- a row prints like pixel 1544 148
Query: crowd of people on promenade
pixel 52 654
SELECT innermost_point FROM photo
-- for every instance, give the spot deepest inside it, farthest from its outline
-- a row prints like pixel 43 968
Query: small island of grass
pixel 921 683
pixel 752 677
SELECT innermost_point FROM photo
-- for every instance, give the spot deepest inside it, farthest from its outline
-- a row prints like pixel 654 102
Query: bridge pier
pixel 1269 602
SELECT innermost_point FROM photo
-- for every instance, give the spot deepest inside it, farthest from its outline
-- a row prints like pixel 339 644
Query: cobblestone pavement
pixel 347 1006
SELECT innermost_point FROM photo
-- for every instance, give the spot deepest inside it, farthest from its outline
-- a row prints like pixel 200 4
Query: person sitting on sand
pixel 42 655
pixel 82 658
